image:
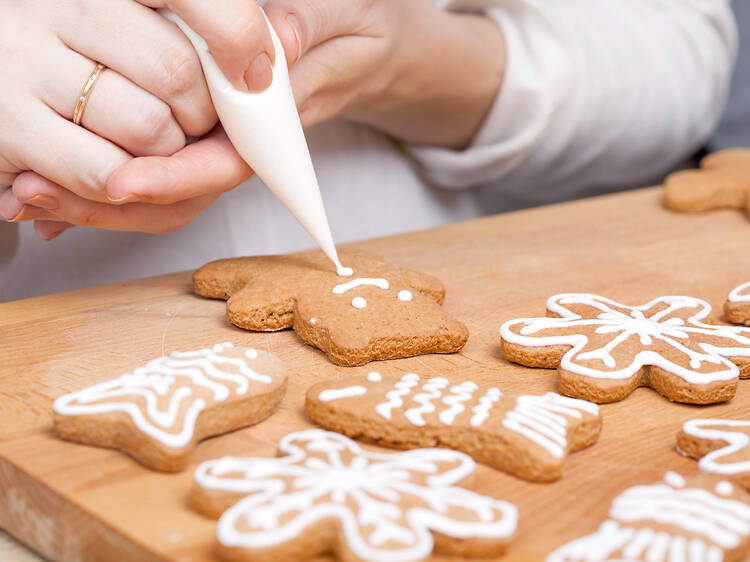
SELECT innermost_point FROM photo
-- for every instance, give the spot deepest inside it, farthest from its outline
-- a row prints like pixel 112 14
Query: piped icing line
pixel 481 412
pixel 159 378
pixel 635 323
pixel 339 393
pixel 544 419
pixel 386 505
pixel 735 442
pixel 720 523
pixel 359 282
pixel 460 393
pixel 431 390
pixel 395 397
pixel 740 293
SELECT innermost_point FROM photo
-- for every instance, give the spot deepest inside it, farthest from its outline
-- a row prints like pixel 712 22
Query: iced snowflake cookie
pixel 699 519
pixel 737 307
pixel 723 447
pixel 159 412
pixel 528 436
pixel 325 494
pixel 380 312
pixel 723 181
pixel 604 350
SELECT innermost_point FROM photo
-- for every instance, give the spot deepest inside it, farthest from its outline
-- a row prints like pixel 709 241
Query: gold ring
pixel 84 98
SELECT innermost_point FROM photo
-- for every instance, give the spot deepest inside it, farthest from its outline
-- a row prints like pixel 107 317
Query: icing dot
pixel 313 321
pixel 344 271
pixel 674 479
pixel 404 295
pixel 251 353
pixel 724 488
pixel 359 302
pixel 219 347
pixel 374 377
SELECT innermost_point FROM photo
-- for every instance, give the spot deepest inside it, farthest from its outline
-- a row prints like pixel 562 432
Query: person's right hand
pixel 149 98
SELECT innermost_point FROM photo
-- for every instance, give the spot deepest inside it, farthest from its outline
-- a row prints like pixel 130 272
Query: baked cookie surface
pixel 737 307
pixel 326 494
pixel 380 312
pixel 604 350
pixel 699 518
pixel 723 181
pixel 159 412
pixel 528 436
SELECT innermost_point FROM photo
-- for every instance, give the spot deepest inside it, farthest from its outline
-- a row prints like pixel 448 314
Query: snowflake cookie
pixel 528 436
pixel 159 412
pixel 698 519
pixel 737 307
pixel 380 312
pixel 325 494
pixel 604 350
pixel 723 447
pixel 723 181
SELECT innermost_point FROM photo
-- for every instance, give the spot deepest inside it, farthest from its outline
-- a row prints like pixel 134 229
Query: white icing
pixel 265 130
pixel 405 295
pixel 395 397
pixel 461 393
pixel 251 354
pixel 724 488
pixel 740 294
pixel 359 302
pixel 344 271
pixel 313 321
pixel 543 419
pixel 680 335
pixel 482 410
pixel 735 441
pixel 674 480
pixel 338 393
pixel 374 376
pixel 386 505
pixel 175 377
pixel 431 390
pixel 720 523
pixel 359 282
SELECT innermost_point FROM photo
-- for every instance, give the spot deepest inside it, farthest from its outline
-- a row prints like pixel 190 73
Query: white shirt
pixel 597 95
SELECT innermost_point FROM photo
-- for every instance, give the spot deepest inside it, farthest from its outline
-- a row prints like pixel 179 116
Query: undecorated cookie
pixel 380 312
pixel 698 519
pixel 721 446
pixel 737 307
pixel 159 412
pixel 528 436
pixel 325 494
pixel 723 181
pixel 604 350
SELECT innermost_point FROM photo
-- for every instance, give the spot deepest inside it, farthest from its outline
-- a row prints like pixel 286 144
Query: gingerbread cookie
pixel 604 350
pixel 380 312
pixel 699 519
pixel 528 436
pixel 325 494
pixel 159 412
pixel 737 307
pixel 723 447
pixel 723 181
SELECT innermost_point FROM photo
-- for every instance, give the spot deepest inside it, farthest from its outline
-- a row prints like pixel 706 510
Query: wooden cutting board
pixel 73 502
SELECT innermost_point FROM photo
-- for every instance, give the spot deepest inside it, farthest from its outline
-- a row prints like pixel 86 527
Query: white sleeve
pixel 595 94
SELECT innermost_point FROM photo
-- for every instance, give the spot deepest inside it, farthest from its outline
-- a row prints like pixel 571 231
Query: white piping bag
pixel 266 131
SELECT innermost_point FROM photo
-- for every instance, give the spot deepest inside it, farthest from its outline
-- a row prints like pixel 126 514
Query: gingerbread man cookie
pixel 699 519
pixel 723 181
pixel 325 494
pixel 604 350
pixel 159 413
pixel 723 447
pixel 737 307
pixel 528 436
pixel 380 312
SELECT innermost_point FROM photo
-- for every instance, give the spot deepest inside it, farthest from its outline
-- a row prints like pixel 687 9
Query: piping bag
pixel 266 131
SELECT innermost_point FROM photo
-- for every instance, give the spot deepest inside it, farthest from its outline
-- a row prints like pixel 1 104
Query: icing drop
pixel 724 488
pixel 674 479
pixel 405 296
pixel 338 393
pixel 344 271
pixel 313 321
pixel 374 376
pixel 359 302
pixel 251 353
pixel 354 283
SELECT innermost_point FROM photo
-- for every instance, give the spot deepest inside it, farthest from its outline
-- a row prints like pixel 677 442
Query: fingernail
pixel 10 206
pixel 260 74
pixel 129 198
pixel 44 202
pixel 293 22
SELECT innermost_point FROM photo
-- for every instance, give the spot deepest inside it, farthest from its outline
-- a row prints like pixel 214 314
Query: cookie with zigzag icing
pixel 737 307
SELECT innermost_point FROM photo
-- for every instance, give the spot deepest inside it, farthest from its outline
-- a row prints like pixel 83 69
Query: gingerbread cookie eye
pixel 737 307
pixel 604 350
pixel 160 411
pixel 380 312
pixel 324 493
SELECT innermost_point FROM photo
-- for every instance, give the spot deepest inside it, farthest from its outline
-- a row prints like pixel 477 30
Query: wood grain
pixel 71 501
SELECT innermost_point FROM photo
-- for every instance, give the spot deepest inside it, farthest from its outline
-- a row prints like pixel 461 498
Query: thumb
pixel 236 34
